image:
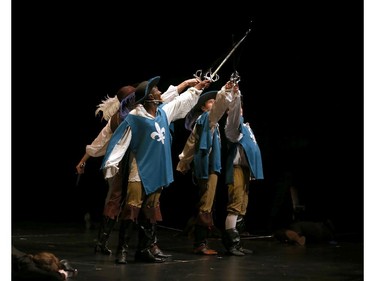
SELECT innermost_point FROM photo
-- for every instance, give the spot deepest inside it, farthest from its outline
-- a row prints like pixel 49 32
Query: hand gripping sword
pixel 213 76
pixel 79 175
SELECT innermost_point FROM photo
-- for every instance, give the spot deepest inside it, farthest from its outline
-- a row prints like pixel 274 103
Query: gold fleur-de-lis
pixel 159 135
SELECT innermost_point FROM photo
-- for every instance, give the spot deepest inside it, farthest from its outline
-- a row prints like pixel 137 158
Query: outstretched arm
pixel 173 91
pixel 223 98
pixel 180 106
pixel 232 125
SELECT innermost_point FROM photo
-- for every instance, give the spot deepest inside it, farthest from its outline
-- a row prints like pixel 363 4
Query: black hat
pixel 194 113
pixel 144 88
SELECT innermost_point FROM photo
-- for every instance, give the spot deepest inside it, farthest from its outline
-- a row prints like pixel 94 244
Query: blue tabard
pixel 151 145
pixel 252 153
pixel 207 155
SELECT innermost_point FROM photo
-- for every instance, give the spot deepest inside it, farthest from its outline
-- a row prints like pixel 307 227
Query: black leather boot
pixel 145 241
pixel 155 250
pixel 231 241
pixel 241 227
pixel 125 234
pixel 103 236
pixel 145 255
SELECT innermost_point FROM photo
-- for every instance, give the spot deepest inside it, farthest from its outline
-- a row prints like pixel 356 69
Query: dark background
pixel 301 70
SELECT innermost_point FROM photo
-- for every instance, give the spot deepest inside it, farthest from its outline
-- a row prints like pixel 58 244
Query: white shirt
pixel 99 146
pixel 176 109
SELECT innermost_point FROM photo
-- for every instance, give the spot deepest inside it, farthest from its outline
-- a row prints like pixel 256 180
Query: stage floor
pixel 270 261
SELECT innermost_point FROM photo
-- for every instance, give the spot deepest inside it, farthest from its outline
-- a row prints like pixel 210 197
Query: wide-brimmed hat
pixel 144 88
pixel 194 113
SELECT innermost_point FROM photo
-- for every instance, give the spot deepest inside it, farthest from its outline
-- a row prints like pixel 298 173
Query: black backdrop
pixel 302 80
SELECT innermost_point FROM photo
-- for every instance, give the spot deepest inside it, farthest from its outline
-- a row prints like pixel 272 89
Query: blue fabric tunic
pixel 252 153
pixel 151 145
pixel 207 156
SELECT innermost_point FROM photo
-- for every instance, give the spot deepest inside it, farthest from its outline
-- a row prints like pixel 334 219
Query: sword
pixel 251 237
pixel 213 76
pixel 78 179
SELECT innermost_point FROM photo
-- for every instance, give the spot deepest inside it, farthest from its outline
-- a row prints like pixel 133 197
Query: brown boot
pixel 200 241
pixel 203 249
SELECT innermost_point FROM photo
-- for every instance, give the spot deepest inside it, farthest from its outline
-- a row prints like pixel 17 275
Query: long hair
pixel 46 261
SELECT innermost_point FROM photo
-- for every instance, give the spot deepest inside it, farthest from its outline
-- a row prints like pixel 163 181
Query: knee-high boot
pixel 155 250
pixel 125 234
pixel 145 241
pixel 103 236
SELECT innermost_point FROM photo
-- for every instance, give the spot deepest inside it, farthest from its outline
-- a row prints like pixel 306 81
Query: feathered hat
pixel 110 106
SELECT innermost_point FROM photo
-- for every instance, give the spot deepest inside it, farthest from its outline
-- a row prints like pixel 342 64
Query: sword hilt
pixel 235 77
pixel 208 75
pixel 212 76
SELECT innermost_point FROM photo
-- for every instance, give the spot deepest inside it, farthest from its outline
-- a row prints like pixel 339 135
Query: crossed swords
pixel 213 76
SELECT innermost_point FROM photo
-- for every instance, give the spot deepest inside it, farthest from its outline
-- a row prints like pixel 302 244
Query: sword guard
pixel 210 76
pixel 198 74
pixel 235 77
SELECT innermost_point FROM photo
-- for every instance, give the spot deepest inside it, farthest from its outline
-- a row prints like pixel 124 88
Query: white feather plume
pixel 108 106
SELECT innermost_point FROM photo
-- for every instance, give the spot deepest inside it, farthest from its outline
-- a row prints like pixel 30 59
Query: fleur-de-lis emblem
pixel 159 135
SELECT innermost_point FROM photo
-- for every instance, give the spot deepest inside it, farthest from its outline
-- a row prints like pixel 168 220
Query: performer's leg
pixel 204 221
pixel 128 218
pixel 125 234
pixel 153 213
pixel 112 208
pixel 105 230
pixel 236 202
pixel 148 216
pixel 241 220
